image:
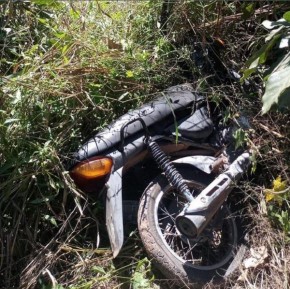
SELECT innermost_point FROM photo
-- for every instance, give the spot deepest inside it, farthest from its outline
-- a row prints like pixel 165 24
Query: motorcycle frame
pixel 127 146
pixel 202 157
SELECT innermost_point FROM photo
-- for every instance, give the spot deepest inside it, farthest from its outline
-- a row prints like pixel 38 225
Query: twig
pixel 280 192
pixel 271 131
pixel 260 11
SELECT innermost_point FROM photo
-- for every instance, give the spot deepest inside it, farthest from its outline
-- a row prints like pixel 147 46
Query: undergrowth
pixel 67 70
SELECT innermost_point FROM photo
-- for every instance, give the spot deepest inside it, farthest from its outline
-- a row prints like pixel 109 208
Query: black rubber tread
pixel 166 262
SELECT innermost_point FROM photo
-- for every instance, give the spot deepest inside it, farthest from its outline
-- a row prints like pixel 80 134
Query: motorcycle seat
pixel 198 126
pixel 174 99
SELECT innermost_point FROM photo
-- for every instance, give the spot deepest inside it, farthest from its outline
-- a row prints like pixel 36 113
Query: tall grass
pixel 67 70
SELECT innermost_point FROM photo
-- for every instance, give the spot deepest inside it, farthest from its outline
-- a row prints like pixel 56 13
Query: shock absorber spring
pixel 171 173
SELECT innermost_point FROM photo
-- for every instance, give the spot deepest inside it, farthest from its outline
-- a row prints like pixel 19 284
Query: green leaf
pixel 51 219
pixel 261 55
pixel 139 281
pixel 277 86
pixel 43 20
pixel 239 137
pixel 273 33
pixel 286 16
pixel 272 24
pixel 48 3
pixel 44 2
pixel 251 70
pixel 98 269
pixel 141 263
pixel 248 10
pixel 74 14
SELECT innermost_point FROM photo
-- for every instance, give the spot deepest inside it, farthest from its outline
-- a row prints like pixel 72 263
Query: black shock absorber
pixel 171 173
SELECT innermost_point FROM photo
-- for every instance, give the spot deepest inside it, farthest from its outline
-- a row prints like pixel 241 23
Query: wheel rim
pixel 212 249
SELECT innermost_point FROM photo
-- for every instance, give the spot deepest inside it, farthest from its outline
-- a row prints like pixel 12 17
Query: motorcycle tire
pixel 189 262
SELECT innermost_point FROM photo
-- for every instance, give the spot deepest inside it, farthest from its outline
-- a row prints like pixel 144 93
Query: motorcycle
pixel 184 220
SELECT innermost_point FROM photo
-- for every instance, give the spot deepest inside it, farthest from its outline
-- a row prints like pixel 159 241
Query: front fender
pixel 114 211
pixel 203 163
pixel 114 205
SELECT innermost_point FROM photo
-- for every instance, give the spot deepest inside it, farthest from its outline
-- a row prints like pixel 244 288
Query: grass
pixel 67 70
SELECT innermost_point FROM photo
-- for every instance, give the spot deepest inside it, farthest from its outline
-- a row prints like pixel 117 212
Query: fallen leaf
pixel 258 256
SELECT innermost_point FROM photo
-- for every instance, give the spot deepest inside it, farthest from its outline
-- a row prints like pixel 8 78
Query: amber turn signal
pixel 93 168
pixel 91 175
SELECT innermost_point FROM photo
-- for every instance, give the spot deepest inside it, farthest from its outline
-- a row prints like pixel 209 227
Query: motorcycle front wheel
pixel 186 261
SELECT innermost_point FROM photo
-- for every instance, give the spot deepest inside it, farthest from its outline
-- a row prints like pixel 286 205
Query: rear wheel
pixel 197 260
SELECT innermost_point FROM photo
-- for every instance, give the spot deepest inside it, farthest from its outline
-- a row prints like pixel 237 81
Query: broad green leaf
pixel 262 53
pixel 273 33
pixel 284 99
pixel 283 63
pixel 277 84
pixel 272 24
pixel 254 64
pixel 286 16
pixel 279 61
pixel 283 22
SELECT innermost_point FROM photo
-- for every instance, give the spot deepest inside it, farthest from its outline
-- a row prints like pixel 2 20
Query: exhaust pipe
pixel 196 216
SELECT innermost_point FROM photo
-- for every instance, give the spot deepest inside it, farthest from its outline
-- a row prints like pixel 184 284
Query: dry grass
pixel 49 233
pixel 270 139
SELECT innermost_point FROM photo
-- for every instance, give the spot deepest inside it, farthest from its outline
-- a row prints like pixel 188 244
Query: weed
pixel 70 68
pixel 67 70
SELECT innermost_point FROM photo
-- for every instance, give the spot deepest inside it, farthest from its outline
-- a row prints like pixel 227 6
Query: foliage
pixel 279 187
pixel 273 61
pixel 239 138
pixel 67 70
pixel 140 278
pixel 279 205
pixel 75 68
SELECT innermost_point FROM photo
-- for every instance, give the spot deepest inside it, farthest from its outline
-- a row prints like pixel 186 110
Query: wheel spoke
pixel 208 249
